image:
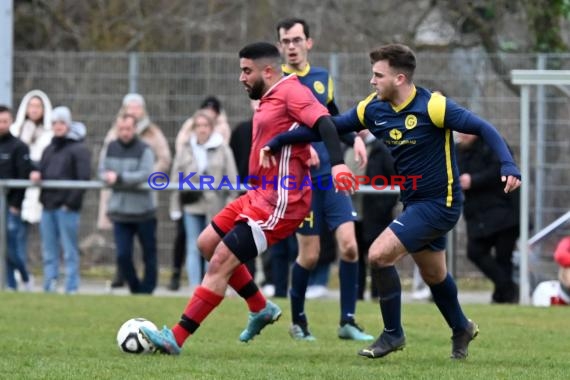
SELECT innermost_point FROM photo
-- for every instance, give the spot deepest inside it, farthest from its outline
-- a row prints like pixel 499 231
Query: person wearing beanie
pixel 65 158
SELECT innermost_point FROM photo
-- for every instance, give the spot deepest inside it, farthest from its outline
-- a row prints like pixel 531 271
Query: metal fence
pixel 173 84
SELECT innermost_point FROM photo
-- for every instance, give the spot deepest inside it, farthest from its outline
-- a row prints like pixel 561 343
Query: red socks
pixel 201 304
pixel 243 283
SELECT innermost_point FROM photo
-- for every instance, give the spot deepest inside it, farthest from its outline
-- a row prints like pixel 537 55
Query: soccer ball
pixel 130 339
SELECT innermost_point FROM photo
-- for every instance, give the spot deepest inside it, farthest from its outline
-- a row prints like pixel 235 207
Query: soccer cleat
pixel 460 341
pixel 385 344
pixel 163 340
pixel 299 332
pixel 257 321
pixel 352 331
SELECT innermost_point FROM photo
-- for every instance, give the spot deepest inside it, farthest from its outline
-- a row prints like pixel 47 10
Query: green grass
pixel 73 337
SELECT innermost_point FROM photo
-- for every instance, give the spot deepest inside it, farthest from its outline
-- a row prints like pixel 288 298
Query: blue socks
pixel 299 281
pixel 348 276
pixel 389 288
pixel 445 297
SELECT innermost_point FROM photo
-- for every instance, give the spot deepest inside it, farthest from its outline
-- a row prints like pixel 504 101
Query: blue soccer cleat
pixel 257 321
pixel 163 340
pixel 352 331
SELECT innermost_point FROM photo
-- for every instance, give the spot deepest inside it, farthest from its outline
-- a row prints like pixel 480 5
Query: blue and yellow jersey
pixel 420 139
pixel 419 136
pixel 320 82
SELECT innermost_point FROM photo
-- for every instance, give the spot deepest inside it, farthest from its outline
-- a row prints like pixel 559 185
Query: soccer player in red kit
pixel 270 211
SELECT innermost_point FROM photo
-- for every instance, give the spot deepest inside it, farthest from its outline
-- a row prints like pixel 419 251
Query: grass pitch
pixel 73 337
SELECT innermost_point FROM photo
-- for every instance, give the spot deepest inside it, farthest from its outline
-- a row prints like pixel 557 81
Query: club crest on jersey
pixel 395 134
pixel 411 122
pixel 319 87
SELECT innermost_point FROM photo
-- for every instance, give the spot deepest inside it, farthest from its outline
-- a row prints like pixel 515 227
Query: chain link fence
pixel 174 84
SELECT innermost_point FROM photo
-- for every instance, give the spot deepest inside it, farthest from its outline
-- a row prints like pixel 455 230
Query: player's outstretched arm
pixel 303 134
pixel 329 135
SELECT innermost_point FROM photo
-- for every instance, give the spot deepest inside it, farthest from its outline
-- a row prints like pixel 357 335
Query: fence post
pixel 334 72
pixel 3 237
pixel 6 51
pixel 539 168
pixel 133 72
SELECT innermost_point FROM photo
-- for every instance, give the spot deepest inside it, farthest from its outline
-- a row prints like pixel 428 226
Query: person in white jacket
pixel 33 127
pixel 205 153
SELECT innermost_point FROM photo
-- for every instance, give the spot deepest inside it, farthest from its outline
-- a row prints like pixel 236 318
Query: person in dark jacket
pixel 492 217
pixel 14 164
pixel 65 158
pixel 127 163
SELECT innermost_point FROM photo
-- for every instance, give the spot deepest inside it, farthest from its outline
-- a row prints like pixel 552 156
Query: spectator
pixel 240 142
pixel 126 163
pixel 14 164
pixel 33 127
pixel 178 251
pixel 205 153
pixel 151 134
pixel 213 106
pixel 65 158
pixel 562 257
pixel 492 216
pixel 556 293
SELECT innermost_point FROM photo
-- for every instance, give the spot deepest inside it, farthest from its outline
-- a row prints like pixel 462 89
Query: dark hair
pixel 258 50
pixel 399 56
pixel 4 108
pixel 213 103
pixel 288 23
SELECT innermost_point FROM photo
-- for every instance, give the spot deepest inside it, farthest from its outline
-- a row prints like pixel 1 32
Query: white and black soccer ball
pixel 130 339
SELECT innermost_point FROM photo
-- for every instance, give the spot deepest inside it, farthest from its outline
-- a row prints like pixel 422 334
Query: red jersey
pixel 284 106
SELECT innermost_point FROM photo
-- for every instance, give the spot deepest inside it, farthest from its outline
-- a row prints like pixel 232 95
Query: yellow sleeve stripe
pixel 436 109
pixel 330 95
pixel 361 107
pixel 448 168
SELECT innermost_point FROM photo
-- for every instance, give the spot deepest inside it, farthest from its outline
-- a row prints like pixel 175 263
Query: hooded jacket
pixel 37 137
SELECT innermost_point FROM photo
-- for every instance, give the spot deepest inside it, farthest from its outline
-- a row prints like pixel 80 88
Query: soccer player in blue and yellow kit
pixel 329 208
pixel 416 125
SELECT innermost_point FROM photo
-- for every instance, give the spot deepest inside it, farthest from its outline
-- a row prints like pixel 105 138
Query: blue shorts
pixel 327 206
pixel 424 225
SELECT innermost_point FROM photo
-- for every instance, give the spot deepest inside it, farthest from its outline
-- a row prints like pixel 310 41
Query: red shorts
pixel 241 210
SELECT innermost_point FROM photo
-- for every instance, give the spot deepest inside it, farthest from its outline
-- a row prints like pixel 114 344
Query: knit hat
pixel 134 98
pixel 61 114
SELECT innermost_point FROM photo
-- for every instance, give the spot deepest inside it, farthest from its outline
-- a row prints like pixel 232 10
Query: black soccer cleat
pixel 384 345
pixel 460 341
